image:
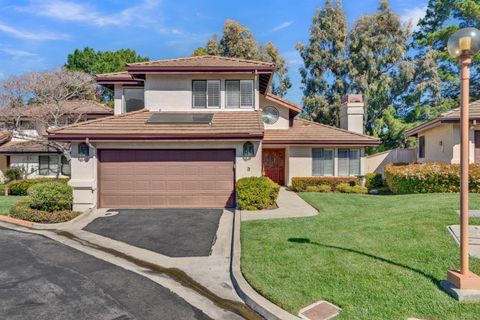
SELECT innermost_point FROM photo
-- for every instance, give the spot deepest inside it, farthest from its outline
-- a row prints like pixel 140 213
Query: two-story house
pixel 185 130
pixel 38 158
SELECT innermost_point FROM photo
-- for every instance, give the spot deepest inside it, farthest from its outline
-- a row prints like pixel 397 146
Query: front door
pixel 477 146
pixel 274 165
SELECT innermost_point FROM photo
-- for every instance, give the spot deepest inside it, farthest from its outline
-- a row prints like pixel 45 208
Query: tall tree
pixel 95 62
pixel 443 17
pixel 237 41
pixel 324 64
pixel 378 64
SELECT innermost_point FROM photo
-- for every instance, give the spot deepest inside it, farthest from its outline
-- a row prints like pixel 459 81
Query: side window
pixel 133 99
pixel 421 147
pixel 322 162
pixel 65 168
pixel 43 165
pixel 348 162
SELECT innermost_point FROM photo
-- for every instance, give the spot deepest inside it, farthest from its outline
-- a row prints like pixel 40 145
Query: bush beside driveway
pixel 377 257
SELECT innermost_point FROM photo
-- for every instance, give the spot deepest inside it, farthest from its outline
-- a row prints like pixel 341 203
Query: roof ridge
pixel 202 57
pixel 336 128
pixel 79 124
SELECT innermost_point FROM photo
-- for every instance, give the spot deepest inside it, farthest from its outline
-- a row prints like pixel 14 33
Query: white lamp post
pixel 463 44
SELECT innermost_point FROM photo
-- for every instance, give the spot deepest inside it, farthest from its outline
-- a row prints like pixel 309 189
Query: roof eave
pixel 324 142
pixel 127 137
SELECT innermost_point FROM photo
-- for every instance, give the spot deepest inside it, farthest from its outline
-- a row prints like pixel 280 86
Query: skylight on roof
pixel 169 118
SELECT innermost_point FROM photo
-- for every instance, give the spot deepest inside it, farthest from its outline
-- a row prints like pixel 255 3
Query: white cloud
pixel 65 10
pixel 18 53
pixel 282 25
pixel 28 35
pixel 413 15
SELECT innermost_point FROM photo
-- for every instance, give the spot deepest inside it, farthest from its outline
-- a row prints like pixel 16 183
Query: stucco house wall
pixel 284 114
pixel 84 170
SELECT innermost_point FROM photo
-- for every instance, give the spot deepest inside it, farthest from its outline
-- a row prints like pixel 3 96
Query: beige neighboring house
pixel 185 130
pixel 37 159
pixel 439 139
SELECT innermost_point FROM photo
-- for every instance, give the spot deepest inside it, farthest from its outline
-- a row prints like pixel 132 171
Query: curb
pixel 19 222
pixel 253 299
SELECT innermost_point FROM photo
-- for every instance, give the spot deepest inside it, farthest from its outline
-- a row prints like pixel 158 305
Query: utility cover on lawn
pixel 320 310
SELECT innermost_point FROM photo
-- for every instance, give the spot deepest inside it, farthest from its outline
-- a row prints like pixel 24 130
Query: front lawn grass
pixel 7 202
pixel 377 257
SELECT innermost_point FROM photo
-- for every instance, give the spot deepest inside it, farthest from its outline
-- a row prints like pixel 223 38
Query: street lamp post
pixel 462 45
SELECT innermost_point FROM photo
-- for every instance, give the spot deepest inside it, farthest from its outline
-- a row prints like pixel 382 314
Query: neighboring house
pixel 36 158
pixel 185 130
pixel 438 140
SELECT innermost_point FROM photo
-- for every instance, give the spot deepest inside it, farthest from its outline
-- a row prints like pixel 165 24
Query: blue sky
pixel 38 34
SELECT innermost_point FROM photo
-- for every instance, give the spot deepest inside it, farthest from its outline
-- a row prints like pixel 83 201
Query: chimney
pixel 351 113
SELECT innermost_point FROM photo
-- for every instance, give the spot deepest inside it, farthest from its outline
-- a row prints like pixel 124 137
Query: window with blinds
pixel 322 162
pixel 348 162
pixel 239 93
pixel 206 94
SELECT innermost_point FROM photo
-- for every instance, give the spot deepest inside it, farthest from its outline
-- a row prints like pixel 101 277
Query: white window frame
pixel 348 162
pixel 239 105
pixel 333 163
pixel 207 82
pixel 50 171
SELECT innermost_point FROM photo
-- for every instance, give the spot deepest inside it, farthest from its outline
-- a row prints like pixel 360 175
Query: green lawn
pixel 6 202
pixel 377 257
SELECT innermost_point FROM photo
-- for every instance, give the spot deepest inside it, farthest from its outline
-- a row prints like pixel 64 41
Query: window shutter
pixel 233 93
pixel 317 162
pixel 354 162
pixel 200 94
pixel 213 93
pixel 343 167
pixel 246 93
pixel 328 162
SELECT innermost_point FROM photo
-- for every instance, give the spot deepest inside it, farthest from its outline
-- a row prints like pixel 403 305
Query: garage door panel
pixel 166 178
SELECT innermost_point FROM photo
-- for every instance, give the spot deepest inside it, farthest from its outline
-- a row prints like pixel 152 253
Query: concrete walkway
pixel 290 205
pixel 473 238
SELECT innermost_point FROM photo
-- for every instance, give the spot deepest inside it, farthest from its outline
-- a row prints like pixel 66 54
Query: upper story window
pixel 133 99
pixel 239 93
pixel 206 94
pixel 421 147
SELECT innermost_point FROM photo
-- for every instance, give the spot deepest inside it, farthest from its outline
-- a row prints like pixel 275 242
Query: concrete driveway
pixel 171 232
pixel 43 279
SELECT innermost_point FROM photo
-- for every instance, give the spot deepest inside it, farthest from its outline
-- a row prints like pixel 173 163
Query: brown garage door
pixel 166 178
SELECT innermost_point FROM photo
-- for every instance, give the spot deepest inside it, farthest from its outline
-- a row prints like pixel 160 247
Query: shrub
pixel 300 184
pixel 374 180
pixel 312 188
pixel 344 188
pixel 22 210
pixel 359 189
pixel 20 187
pixel 254 193
pixel 429 178
pixel 50 196
pixel 13 173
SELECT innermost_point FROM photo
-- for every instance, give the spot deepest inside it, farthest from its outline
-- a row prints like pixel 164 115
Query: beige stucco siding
pixel 84 171
pixel 174 92
pixel 284 114
pixel 439 144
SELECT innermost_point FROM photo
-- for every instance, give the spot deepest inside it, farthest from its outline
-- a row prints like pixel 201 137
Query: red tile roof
pixel 28 147
pixel 202 62
pixel 5 136
pixel 134 126
pixel 304 132
pixel 452 116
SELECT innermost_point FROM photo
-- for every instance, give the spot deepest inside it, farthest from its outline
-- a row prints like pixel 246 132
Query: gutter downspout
pixel 87 142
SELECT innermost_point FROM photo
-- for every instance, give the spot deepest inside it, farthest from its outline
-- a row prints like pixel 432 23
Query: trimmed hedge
pixel 429 178
pixel 300 184
pixel 50 196
pixel 374 181
pixel 22 210
pixel 255 193
pixel 320 188
pixel 20 187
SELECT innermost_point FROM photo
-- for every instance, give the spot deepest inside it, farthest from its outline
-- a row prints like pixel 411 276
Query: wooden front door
pixel 274 165
pixel 477 146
